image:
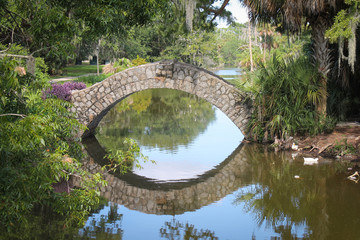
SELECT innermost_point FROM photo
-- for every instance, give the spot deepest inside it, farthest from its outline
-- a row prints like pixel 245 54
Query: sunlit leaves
pixel 341 27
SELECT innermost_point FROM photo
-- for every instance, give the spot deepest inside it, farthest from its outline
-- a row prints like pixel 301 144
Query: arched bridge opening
pixel 92 104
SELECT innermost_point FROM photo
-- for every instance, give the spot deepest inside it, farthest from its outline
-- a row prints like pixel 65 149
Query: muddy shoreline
pixel 343 143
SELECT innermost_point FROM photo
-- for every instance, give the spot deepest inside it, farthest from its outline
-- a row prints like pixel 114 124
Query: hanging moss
pixel 352 44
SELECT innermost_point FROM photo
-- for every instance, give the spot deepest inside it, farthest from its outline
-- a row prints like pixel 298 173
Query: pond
pixel 206 183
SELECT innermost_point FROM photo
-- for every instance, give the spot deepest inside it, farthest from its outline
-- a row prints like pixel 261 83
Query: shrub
pixel 285 100
pixel 138 61
pixel 63 91
pixel 122 64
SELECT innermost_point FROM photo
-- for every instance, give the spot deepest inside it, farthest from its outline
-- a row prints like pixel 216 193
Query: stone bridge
pixel 92 104
pixel 142 194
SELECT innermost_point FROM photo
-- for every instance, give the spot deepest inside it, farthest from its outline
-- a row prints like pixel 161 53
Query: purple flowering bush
pixel 62 91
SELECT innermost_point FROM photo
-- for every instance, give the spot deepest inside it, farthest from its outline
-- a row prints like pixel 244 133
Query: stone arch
pixel 92 104
pixel 139 193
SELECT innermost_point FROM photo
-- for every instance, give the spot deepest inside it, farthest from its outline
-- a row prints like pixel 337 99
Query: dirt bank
pixel 343 142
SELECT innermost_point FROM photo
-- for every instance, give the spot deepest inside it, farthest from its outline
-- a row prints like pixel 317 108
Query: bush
pixel 285 100
pixel 63 91
pixel 35 136
pixel 138 61
pixel 39 148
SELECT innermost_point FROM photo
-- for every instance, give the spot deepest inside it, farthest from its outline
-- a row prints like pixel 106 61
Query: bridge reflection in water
pixel 170 198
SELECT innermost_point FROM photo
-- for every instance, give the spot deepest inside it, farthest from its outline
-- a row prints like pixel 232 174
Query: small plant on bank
pixel 343 148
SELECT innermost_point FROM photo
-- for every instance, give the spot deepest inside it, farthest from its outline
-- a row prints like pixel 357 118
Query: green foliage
pixel 31 153
pixel 198 48
pixel 9 80
pixel 123 161
pixel 38 148
pixel 343 21
pixel 138 61
pixel 57 29
pixel 341 27
pixel 122 64
pixel 285 99
pixel 342 148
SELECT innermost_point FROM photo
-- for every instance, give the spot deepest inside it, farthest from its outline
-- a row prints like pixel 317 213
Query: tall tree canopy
pixel 59 30
pixel 53 28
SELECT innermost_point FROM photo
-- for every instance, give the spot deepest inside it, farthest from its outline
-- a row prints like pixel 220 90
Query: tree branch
pixel 13 114
pixel 14 55
pixel 6 49
pixel 11 15
pixel 217 12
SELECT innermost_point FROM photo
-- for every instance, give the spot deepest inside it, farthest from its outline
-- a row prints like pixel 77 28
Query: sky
pixel 238 11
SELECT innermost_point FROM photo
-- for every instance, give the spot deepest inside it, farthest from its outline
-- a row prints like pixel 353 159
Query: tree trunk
pixel 322 58
pixel 97 58
pixel 250 49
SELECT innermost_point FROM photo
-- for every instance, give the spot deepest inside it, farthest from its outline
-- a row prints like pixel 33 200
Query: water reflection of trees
pixel 311 202
pixel 101 226
pixel 162 117
pixel 176 230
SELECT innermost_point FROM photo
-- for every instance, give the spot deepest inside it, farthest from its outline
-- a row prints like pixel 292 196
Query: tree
pixel 291 14
pixel 41 152
pixel 250 49
pixel 52 28
pixel 204 10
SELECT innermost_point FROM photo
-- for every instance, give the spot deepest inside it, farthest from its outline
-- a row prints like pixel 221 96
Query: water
pixel 207 184
pixel 229 73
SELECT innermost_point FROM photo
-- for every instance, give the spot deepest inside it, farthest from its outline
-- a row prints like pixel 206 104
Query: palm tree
pixel 291 13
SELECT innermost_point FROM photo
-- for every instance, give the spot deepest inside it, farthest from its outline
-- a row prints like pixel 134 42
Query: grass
pixel 92 79
pixel 77 70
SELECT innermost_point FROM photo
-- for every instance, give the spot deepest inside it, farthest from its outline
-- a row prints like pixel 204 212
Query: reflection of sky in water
pixel 228 72
pixel 208 150
pixel 224 218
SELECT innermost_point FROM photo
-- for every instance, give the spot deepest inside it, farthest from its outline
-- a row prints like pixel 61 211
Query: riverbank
pixel 342 143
